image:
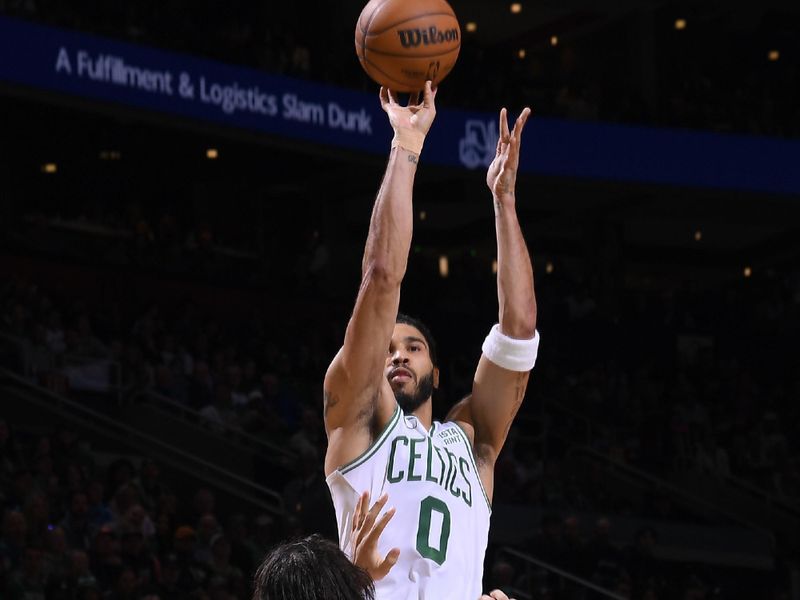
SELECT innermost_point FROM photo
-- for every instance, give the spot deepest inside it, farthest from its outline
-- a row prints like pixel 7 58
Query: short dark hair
pixel 311 568
pixel 426 333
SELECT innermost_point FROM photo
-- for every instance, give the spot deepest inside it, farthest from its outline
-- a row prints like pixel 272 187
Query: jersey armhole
pixel 373 448
pixel 465 439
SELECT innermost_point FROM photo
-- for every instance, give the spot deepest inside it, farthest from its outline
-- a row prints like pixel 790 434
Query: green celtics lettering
pixel 428 463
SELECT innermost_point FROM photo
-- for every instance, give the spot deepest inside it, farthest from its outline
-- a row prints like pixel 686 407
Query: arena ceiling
pixel 538 20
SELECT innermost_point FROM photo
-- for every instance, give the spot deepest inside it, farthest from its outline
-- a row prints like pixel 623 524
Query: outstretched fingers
pixel 360 511
pixel 387 563
pixel 520 123
pixel 495 595
pixel 385 98
pixel 373 513
pixel 388 98
pixel 504 135
pixel 380 525
pixel 516 134
pixel 428 95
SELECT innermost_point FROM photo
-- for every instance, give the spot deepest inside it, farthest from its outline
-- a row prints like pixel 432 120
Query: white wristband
pixel 511 353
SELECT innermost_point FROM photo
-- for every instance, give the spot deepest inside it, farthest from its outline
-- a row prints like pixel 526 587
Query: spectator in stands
pixel 136 556
pixel 137 519
pixel 643 567
pixel 65 585
pixel 264 536
pixel 37 517
pixel 207 528
pixel 221 568
pixel 502 575
pixel 125 498
pixel 245 554
pixel 575 555
pixel 220 415
pixel 712 459
pixel 189 574
pixel 99 513
pixel 105 561
pixel 307 498
pixel 203 502
pixel 82 341
pixel 57 556
pixel 119 473
pixel 76 522
pixel 15 532
pixel 604 557
pixel 311 433
pixel 30 580
pixel 127 586
pixel 10 458
pixel 549 543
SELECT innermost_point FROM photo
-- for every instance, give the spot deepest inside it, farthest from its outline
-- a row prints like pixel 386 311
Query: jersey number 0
pixel 427 508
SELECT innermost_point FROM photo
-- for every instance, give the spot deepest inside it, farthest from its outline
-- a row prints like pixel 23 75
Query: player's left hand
pixel 495 595
pixel 367 529
pixel 502 175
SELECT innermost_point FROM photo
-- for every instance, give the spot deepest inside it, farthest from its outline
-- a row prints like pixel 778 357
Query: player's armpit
pixel 461 411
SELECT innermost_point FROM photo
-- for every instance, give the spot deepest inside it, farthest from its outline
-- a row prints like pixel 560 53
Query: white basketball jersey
pixel 441 524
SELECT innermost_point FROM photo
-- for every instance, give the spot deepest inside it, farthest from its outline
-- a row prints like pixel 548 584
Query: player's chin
pixel 407 386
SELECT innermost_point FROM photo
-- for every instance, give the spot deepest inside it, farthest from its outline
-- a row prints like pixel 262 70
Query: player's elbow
pixel 382 276
pixel 520 325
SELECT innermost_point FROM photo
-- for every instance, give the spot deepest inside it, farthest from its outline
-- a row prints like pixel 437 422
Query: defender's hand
pixel 502 175
pixel 367 529
pixel 416 116
pixel 495 595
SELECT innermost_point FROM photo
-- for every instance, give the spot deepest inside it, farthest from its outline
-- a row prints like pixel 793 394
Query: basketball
pixel 403 43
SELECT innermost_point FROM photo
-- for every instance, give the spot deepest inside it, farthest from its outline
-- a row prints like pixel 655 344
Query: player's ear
pixel 436 378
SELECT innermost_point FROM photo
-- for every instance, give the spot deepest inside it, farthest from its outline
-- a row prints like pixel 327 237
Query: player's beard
pixel 411 402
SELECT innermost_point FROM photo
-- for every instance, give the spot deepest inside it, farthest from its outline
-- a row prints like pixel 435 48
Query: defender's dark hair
pixel 312 568
pixel 426 333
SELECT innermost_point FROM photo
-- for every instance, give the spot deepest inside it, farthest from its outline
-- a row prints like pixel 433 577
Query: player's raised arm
pixel 358 399
pixel 510 349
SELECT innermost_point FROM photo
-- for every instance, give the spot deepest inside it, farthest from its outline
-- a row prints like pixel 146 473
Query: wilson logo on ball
pixel 412 38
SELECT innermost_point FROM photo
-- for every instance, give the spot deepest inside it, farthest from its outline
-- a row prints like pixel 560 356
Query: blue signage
pixel 110 71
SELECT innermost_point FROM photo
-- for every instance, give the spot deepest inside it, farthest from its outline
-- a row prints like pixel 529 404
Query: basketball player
pixel 378 388
pixel 314 568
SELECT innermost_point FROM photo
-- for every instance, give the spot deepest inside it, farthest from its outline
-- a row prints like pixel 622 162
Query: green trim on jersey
pixel 367 454
pixel 465 439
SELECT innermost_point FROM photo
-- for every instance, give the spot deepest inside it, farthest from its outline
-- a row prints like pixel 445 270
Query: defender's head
pixel 411 363
pixel 312 568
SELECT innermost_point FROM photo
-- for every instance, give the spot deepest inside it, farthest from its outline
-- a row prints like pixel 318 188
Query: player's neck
pixel 425 413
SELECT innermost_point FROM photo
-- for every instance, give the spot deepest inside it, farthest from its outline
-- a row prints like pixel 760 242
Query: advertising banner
pixel 117 73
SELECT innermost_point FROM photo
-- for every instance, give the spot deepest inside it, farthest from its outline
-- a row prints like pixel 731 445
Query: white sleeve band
pixel 511 353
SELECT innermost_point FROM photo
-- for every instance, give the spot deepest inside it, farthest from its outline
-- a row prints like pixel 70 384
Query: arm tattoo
pixel 413 158
pixel 329 401
pixel 519 394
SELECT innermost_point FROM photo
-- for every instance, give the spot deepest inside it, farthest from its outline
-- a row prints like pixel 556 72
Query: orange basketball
pixel 403 43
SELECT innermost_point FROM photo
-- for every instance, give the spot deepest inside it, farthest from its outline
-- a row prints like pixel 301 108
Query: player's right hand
pixel 416 116
pixel 495 595
pixel 367 529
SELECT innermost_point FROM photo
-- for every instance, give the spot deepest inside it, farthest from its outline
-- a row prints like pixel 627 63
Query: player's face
pixel 409 368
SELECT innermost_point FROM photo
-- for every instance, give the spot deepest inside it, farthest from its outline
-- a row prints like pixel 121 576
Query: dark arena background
pixel 185 191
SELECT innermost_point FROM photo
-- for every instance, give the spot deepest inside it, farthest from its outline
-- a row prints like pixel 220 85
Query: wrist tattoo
pixel 413 158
